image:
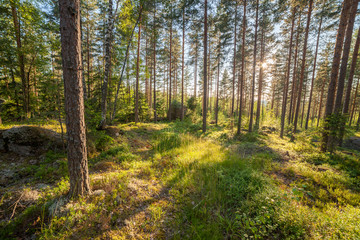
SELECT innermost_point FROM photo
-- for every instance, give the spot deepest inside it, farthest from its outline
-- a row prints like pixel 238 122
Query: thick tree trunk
pixel 335 71
pixel 313 75
pixel 137 77
pixel 74 99
pixel 333 140
pixel 351 74
pixel 205 69
pixel 104 88
pixel 302 74
pixel 254 68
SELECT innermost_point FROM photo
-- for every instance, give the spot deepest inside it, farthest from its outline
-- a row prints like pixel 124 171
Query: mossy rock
pixel 30 140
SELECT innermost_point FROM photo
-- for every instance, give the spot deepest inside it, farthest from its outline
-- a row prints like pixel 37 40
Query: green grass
pixel 171 181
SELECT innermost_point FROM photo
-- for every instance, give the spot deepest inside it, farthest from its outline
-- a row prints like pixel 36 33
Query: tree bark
pixel 21 58
pixel 335 71
pixel 302 74
pixel 169 110
pixel 354 102
pixel 137 77
pixel 74 97
pixel 182 66
pixel 234 64
pixel 155 114
pixel 104 89
pixel 254 68
pixel 313 75
pixel 285 92
pixel 294 79
pixel 261 73
pixel 205 70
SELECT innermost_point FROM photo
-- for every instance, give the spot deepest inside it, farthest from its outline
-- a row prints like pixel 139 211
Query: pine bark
pixel 155 114
pixel 313 74
pixel 303 64
pixel 74 97
pixel 182 65
pixel 335 71
pixel 286 86
pixel 234 65
pixel 104 89
pixel 205 69
pixel 254 70
pixel 261 74
pixel 137 76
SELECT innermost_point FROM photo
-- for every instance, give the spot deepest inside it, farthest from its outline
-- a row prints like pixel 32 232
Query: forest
pixel 179 119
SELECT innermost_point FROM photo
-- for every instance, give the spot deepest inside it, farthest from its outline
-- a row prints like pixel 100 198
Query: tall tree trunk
pixel 137 77
pixel 169 110
pixel 155 114
pixel 294 77
pixel 335 71
pixel 217 92
pixel 354 102
pixel 302 74
pixel 261 73
pixel 287 77
pixel 21 58
pixel 333 140
pixel 205 69
pixel 182 66
pixel 195 71
pixel 351 74
pixel 124 64
pixel 303 105
pixel 313 75
pixel 254 68
pixel 234 66
pixel 74 99
pixel 104 89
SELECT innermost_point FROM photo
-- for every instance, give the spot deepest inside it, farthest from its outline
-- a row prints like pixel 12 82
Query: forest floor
pixel 170 181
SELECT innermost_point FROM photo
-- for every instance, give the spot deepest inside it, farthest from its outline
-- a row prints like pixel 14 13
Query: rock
pixel 353 143
pixel 98 192
pixel 30 140
pixel 56 208
pixel 113 131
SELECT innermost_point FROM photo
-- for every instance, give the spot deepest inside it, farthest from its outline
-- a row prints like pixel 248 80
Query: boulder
pixel 29 140
pixel 353 143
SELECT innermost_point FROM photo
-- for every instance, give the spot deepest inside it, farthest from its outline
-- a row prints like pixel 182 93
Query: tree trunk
pixel 137 77
pixel 169 111
pixel 313 75
pixel 104 89
pixel 217 93
pixel 205 69
pixel 182 66
pixel 74 99
pixel 234 64
pixel 155 114
pixel 285 92
pixel 21 58
pixel 261 73
pixel 124 64
pixel 254 68
pixel 294 79
pixel 302 74
pixel 195 71
pixel 335 71
pixel 354 102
